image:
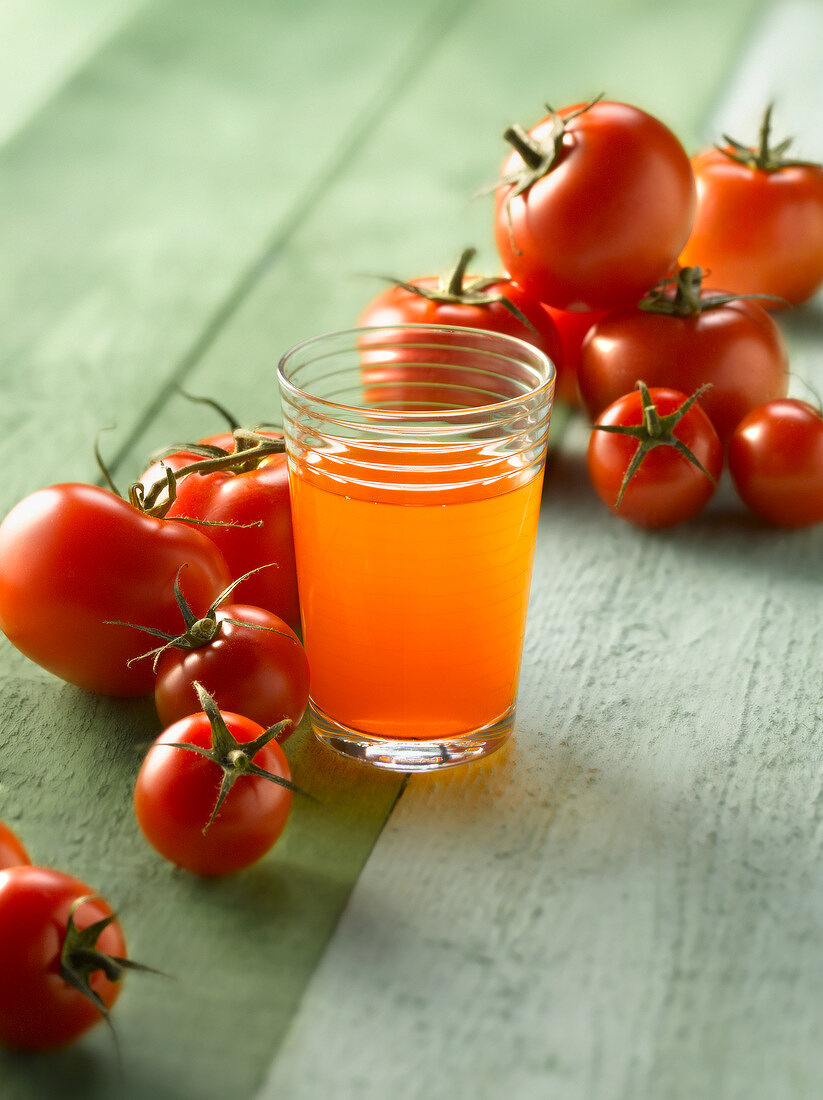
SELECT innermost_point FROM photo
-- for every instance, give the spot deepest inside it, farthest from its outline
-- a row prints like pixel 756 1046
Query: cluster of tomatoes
pixel 628 263
pixel 85 576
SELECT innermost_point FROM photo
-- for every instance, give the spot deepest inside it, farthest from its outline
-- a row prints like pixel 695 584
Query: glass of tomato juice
pixel 416 457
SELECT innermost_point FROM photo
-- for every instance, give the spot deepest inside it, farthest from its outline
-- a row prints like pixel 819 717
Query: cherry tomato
pixel 39 1009
pixel 177 790
pixel 667 487
pixel 734 345
pixel 573 328
pixel 251 512
pixel 74 559
pixel 594 205
pixel 12 852
pixel 255 664
pixel 776 462
pixel 759 222
pixel 493 303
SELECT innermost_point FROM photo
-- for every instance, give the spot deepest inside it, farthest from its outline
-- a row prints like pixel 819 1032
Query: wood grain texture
pixel 43 43
pixel 625 903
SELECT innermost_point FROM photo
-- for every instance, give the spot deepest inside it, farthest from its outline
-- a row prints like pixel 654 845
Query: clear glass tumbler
pixel 416 457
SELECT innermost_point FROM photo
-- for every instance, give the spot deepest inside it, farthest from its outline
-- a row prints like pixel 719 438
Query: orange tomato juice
pixel 414 603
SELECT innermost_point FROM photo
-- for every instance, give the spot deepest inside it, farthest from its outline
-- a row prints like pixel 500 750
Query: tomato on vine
pixel 240 494
pixel 654 458
pixel 593 206
pixel 62 957
pixel 214 791
pixel 759 222
pixel 683 336
pixel 776 462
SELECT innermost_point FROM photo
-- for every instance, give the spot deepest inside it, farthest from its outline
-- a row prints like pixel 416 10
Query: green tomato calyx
pixel 680 295
pixel 198 632
pixel 655 431
pixel 235 758
pixel 80 958
pixel 454 289
pixel 765 157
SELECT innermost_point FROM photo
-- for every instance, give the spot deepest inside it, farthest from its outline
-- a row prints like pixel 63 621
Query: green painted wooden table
pixel 626 901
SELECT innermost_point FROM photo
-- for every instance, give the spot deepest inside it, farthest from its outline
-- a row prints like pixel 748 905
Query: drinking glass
pixel 416 457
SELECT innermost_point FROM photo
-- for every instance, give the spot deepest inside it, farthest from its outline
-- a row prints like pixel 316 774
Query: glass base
pixel 411 755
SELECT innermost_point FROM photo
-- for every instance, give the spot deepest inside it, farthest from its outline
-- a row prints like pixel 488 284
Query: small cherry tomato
pixel 594 205
pixel 654 457
pixel 776 462
pixel 245 656
pixel 213 793
pixel 54 985
pixel 759 222
pixel 247 515
pixel 254 664
pixel 75 561
pixel 12 851
pixel 682 337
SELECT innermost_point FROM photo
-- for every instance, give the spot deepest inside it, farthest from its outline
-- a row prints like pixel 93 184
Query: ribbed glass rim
pixel 525 352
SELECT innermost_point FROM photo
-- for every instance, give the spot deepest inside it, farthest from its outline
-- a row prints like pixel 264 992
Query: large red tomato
pixel 39 1007
pixel 683 337
pixel 594 205
pixel 495 303
pixel 759 222
pixel 75 561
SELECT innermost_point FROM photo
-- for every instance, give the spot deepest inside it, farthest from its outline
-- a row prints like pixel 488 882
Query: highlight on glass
pixel 416 457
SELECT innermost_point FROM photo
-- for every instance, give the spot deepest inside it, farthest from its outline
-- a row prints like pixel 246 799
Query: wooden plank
pixel 132 210
pixel 42 43
pixel 624 902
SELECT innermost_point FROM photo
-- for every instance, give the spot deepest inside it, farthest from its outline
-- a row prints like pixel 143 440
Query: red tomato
pixel 776 462
pixel 573 328
pixel 255 506
pixel 39 1009
pixel 463 301
pixel 736 346
pixel 759 222
pixel 594 205
pixel 666 488
pixel 75 557
pixel 177 790
pixel 12 852
pixel 255 665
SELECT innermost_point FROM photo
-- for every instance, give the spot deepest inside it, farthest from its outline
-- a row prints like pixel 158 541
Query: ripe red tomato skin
pixel 38 1009
pixel 398 306
pixel 244 500
pixel 12 850
pixel 737 347
pixel 667 489
pixel 776 462
pixel 74 556
pixel 573 328
pixel 176 791
pixel 250 670
pixel 757 231
pixel 608 221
